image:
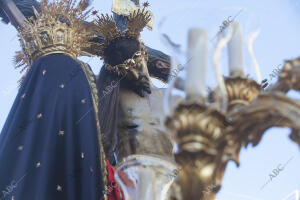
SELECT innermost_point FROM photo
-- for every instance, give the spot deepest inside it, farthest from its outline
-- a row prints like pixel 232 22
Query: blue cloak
pixel 49 145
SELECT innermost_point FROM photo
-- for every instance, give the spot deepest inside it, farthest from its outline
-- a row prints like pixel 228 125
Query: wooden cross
pixel 14 14
pixel 119 8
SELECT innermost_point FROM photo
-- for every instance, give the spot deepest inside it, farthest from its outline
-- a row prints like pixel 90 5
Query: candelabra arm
pixel 289 77
pixel 269 109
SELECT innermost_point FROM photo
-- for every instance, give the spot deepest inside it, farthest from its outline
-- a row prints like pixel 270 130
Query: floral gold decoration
pixel 207 139
pixel 241 90
pixel 200 135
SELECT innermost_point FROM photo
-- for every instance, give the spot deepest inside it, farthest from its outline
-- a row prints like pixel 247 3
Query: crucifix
pixel 141 128
pixel 158 62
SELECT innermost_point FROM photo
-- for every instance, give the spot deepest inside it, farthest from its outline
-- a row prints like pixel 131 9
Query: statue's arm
pixel 159 64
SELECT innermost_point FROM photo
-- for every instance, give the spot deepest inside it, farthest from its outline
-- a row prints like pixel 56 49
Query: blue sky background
pixel 278 40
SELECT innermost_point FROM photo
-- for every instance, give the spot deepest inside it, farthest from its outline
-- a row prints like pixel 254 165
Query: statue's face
pixel 138 77
pixel 140 71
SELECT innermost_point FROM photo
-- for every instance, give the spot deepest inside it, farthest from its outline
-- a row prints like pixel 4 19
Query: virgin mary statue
pixel 50 146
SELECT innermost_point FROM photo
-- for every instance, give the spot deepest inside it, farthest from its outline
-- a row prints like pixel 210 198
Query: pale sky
pixel 278 40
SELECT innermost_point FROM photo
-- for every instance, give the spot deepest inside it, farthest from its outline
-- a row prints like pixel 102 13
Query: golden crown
pixel 58 28
pixel 107 27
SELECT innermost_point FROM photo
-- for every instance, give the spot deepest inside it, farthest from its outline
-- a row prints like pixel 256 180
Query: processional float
pixel 207 137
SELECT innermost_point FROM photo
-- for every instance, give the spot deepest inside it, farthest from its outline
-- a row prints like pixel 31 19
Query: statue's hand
pixel 138 80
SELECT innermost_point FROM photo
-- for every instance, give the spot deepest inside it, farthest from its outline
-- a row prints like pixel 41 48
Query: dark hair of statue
pixel 120 50
pixel 108 85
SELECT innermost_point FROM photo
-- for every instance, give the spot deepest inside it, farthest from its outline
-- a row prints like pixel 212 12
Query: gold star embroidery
pixel 44 72
pixel 20 148
pixel 61 133
pixel 23 96
pixel 82 155
pixel 62 86
pixel 39 116
pixel 83 101
pixel 38 165
pixel 59 188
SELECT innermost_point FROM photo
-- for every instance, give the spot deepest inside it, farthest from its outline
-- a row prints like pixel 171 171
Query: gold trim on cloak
pixel 94 92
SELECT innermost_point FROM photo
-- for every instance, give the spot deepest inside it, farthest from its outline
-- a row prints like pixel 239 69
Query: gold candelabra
pixel 207 139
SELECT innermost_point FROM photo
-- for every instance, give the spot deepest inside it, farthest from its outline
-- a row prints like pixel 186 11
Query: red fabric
pixel 113 188
pixel 126 180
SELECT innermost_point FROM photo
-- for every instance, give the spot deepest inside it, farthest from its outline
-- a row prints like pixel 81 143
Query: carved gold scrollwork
pixel 201 143
pixel 268 110
pixel 208 139
pixel 241 91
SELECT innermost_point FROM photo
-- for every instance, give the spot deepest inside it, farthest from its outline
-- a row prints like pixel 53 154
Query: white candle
pixel 235 51
pixel 195 87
